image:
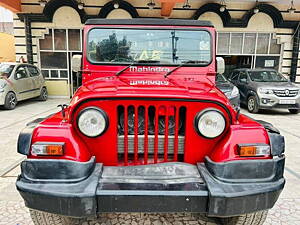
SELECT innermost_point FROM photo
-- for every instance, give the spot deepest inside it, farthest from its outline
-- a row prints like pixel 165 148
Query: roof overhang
pixel 12 5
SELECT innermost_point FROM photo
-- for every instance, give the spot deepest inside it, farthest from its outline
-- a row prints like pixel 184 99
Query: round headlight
pixel 210 123
pixel 92 122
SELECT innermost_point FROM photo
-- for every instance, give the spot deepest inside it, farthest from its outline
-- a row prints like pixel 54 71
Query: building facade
pixel 250 34
pixel 7 42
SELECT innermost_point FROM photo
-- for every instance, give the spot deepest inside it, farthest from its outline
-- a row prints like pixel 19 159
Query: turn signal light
pixel 254 150
pixel 50 149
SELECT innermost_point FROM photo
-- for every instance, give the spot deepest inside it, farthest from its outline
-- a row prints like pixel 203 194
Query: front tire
pixel 257 218
pixel 43 218
pixel 294 111
pixel 10 101
pixel 252 104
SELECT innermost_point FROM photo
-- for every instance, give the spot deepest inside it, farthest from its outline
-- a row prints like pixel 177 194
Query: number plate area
pixel 287 102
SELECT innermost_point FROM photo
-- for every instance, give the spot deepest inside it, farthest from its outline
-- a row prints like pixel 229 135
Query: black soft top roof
pixel 146 21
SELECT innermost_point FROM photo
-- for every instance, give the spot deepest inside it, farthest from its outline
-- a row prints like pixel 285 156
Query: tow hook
pixel 63 107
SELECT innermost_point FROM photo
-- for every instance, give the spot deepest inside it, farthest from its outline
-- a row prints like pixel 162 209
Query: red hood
pixel 146 86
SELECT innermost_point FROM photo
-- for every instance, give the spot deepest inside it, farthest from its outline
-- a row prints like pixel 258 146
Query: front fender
pixel 53 130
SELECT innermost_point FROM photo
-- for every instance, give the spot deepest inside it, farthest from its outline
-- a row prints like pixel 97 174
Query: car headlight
pixel 265 91
pixel 235 92
pixel 92 121
pixel 210 123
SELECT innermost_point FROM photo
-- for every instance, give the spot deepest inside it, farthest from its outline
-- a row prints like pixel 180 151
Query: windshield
pixel 220 78
pixel 266 76
pixel 6 69
pixel 157 46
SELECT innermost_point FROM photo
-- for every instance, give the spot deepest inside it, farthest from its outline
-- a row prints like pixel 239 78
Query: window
pixel 56 49
pixel 74 40
pixel 46 43
pixel 274 47
pixel 6 69
pixel 235 75
pixel 64 74
pixel 60 39
pixel 33 71
pixel 243 77
pixel 223 43
pixel 158 46
pixel 262 43
pixel 54 60
pixel 21 73
pixel 236 43
pixel 54 73
pixel 45 73
pixel 249 44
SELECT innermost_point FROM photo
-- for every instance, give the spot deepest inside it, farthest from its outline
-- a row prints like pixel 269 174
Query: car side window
pixel 21 73
pixel 33 71
pixel 234 76
pixel 243 77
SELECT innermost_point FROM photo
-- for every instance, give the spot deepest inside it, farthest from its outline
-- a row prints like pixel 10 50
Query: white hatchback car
pixel 20 81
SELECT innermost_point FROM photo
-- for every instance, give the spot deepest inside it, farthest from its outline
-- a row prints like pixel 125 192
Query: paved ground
pixel 13 212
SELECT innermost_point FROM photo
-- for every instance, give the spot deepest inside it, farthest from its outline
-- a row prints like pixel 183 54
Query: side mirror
pixel 220 65
pixel 76 63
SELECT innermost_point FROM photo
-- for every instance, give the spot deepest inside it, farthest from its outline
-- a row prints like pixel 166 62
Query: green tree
pixel 110 50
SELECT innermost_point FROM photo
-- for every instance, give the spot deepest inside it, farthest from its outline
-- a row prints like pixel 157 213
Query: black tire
pixel 252 104
pixel 43 218
pixel 294 111
pixel 44 94
pixel 10 101
pixel 257 218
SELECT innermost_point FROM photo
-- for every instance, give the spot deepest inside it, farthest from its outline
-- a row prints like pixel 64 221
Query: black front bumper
pixel 217 189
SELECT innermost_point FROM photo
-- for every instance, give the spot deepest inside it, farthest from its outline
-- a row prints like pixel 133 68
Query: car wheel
pixel 43 218
pixel 252 104
pixel 10 101
pixel 44 94
pixel 294 111
pixel 257 218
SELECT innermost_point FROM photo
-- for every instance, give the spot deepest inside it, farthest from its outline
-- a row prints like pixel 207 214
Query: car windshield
pixel 165 46
pixel 220 78
pixel 266 76
pixel 5 70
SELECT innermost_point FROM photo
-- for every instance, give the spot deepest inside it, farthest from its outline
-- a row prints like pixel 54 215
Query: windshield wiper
pixel 136 63
pixel 184 64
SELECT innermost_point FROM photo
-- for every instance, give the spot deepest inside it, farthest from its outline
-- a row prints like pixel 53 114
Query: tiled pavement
pixel 13 211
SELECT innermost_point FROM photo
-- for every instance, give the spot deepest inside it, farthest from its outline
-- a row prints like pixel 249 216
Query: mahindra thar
pixel 149 132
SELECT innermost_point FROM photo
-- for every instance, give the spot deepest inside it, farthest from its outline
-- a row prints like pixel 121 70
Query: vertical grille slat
pixel 176 133
pixel 146 136
pixel 125 135
pixel 166 145
pixel 136 117
pixel 156 135
pixel 150 133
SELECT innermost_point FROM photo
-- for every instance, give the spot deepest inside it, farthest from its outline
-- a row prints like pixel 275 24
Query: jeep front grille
pixel 150 134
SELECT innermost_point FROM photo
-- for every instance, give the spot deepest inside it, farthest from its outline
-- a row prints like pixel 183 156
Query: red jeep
pixel 148 131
